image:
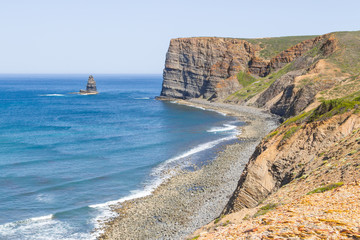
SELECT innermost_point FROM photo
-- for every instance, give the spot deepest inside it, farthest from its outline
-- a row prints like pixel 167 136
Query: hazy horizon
pixel 116 37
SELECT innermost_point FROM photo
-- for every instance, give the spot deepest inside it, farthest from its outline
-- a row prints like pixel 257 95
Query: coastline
pixel 191 199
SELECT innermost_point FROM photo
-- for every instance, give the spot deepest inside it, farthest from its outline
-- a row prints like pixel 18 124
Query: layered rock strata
pixel 204 67
pixel 207 67
pixel 278 160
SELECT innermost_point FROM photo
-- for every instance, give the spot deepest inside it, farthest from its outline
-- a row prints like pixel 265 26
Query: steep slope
pixel 290 152
pixel 283 75
pixel 208 67
pixel 323 215
pixel 308 154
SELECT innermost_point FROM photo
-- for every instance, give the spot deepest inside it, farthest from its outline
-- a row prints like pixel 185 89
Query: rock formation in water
pixel 90 87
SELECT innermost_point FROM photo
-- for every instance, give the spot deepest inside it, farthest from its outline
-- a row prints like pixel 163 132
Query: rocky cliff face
pixel 208 68
pixel 205 67
pixel 292 152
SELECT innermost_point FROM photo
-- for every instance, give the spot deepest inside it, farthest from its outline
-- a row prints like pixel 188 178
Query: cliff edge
pixel 284 75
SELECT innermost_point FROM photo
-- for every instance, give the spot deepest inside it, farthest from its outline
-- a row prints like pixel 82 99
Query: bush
pixel 326 188
pixel 329 108
pixel 290 132
pixel 264 209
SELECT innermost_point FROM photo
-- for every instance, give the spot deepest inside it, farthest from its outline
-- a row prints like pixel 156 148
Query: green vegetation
pixel 264 209
pixel 287 68
pixel 348 58
pixel 296 119
pixel 217 220
pixel 329 108
pixel 245 79
pixel 253 89
pixel 253 86
pixel 326 188
pixel 290 132
pixel 270 135
pixel 196 237
pixel 273 46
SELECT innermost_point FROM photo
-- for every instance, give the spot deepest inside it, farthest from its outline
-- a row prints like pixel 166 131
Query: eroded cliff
pixel 205 67
pixel 283 75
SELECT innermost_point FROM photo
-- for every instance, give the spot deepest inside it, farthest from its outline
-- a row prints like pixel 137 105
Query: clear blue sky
pixel 116 36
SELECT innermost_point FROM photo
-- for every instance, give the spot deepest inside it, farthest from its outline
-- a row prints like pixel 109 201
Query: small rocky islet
pixel 295 180
pixel 90 87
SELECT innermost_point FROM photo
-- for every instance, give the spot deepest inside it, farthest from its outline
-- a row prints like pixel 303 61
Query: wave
pixel 142 98
pixel 200 148
pixel 106 211
pixel 226 128
pixel 160 169
pixel 51 95
pixel 42 218
pixel 160 174
pixel 43 227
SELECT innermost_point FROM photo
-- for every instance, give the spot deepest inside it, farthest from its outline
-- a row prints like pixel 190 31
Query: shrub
pixel 290 132
pixel 326 188
pixel 264 209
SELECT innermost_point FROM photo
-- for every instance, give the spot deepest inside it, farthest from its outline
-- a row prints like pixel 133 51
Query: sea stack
pixel 90 87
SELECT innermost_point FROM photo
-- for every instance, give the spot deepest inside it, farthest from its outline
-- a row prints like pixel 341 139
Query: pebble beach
pixel 191 199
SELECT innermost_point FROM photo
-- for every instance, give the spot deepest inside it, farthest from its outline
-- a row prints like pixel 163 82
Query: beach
pixel 191 199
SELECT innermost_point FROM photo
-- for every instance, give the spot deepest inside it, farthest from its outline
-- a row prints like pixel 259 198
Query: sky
pixel 116 36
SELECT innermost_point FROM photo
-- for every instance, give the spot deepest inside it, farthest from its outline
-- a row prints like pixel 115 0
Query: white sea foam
pixel 159 176
pixel 142 98
pixel 202 108
pixel 41 228
pixel 105 208
pixel 42 218
pixel 52 95
pixel 226 128
pixel 46 198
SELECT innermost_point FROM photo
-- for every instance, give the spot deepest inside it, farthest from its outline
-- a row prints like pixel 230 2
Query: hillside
pixel 313 83
pixel 278 192
pixel 285 75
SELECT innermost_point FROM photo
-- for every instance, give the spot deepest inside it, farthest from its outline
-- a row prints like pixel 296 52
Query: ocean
pixel 64 158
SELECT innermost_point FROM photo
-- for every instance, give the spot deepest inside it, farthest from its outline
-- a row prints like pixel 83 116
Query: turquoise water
pixel 64 157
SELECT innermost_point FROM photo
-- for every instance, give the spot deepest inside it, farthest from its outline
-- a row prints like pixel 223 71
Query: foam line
pixel 226 128
pixel 51 95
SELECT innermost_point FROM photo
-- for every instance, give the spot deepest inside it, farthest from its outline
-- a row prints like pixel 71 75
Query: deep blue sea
pixel 65 157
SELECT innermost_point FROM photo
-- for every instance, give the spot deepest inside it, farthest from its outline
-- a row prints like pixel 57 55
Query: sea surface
pixel 64 158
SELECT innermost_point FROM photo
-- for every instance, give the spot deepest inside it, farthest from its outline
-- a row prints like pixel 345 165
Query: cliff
pixel 204 67
pixel 284 75
pixel 313 83
pixel 293 152
pixel 286 191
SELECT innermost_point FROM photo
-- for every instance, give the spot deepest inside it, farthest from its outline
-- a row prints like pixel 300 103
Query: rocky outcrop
pixel 90 87
pixel 205 67
pixel 295 51
pixel 281 158
pixel 287 96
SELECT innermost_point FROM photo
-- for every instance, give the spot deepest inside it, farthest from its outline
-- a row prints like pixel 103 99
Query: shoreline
pixel 191 199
